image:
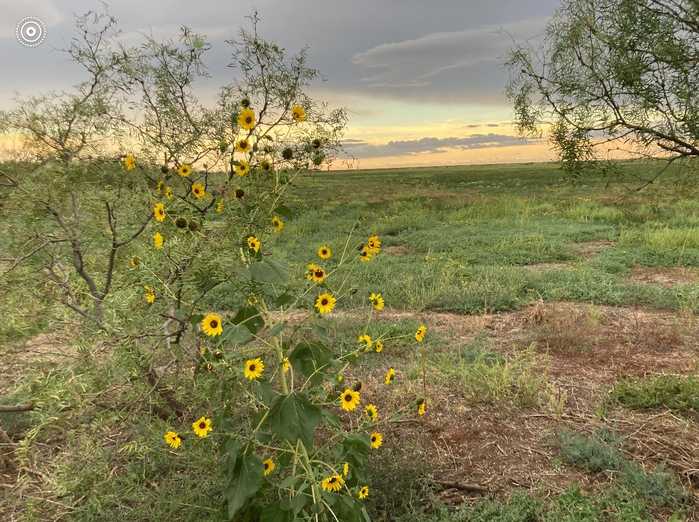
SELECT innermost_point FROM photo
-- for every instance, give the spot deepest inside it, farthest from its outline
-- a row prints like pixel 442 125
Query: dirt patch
pixel 590 249
pixel 43 350
pixel 397 250
pixel 665 276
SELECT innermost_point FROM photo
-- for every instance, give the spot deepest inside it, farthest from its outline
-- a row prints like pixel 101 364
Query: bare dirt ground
pixel 479 449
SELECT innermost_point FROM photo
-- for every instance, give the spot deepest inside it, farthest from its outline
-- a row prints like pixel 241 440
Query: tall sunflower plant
pixel 181 236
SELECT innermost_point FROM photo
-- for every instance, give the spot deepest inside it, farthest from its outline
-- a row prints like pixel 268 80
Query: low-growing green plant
pixel 486 377
pixel 601 452
pixel 679 393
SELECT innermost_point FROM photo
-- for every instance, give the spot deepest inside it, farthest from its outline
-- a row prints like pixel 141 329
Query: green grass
pixel 677 393
pixel 602 453
pixel 463 239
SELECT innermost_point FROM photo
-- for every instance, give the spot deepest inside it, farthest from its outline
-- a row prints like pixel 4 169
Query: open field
pixel 562 377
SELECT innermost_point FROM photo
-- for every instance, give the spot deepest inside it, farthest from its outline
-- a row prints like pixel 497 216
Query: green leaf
pixel 284 299
pixel 250 318
pixel 244 471
pixel 293 417
pixel 268 271
pixel 275 513
pixel 284 211
pixel 311 358
pixel 234 334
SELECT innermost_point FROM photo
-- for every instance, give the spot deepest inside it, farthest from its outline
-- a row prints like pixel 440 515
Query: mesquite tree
pixel 621 71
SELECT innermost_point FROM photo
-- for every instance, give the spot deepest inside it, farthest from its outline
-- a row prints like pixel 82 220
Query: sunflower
pixel 421 407
pixel 246 118
pixel 202 427
pixel 159 186
pixel 315 273
pixel 365 254
pixel 134 262
pixel 420 334
pixel 286 365
pixel 277 223
pixel 242 168
pixel 254 368
pixel 365 340
pixel 242 146
pixel 349 399
pixel 198 190
pixel 324 252
pixel 374 244
pixel 168 192
pixel 269 466
pixel 220 206
pixel 378 346
pixel 149 294
pixel 325 303
pixel 184 170
pixel 345 469
pixel 254 244
pixel 390 375
pixel 158 240
pixel 128 162
pixel 376 440
pixel 298 113
pixel 172 439
pixel 265 165
pixel 363 492
pixel 212 324
pixel 332 483
pixel 377 301
pixel 159 212
pixel 371 412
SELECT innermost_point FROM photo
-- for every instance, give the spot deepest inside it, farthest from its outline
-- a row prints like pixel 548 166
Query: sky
pixel 423 81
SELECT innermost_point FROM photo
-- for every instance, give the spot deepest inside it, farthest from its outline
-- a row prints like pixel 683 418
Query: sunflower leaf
pixel 293 417
pixel 244 473
pixel 312 359
pixel 268 271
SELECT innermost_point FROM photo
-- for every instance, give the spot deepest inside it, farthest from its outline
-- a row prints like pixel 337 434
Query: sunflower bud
pixel 287 153
pixel 193 226
pixel 357 386
pixel 181 222
pixel 239 193
pixel 164 169
pixel 316 143
pixel 245 103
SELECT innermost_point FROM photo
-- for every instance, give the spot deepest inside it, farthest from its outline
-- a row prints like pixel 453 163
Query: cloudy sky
pixel 423 81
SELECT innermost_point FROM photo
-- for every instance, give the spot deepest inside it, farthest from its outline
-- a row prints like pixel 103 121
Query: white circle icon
pixel 30 31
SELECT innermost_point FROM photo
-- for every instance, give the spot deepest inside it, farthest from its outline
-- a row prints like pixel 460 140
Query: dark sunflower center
pixel 252 367
pixel 248 119
pixel 214 323
pixel 319 273
pixel 324 302
pixel 202 425
pixel 333 480
pixel 348 398
pixel 266 465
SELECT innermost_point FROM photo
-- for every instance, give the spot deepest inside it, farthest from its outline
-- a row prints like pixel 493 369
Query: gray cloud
pixel 362 149
pixel 441 63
